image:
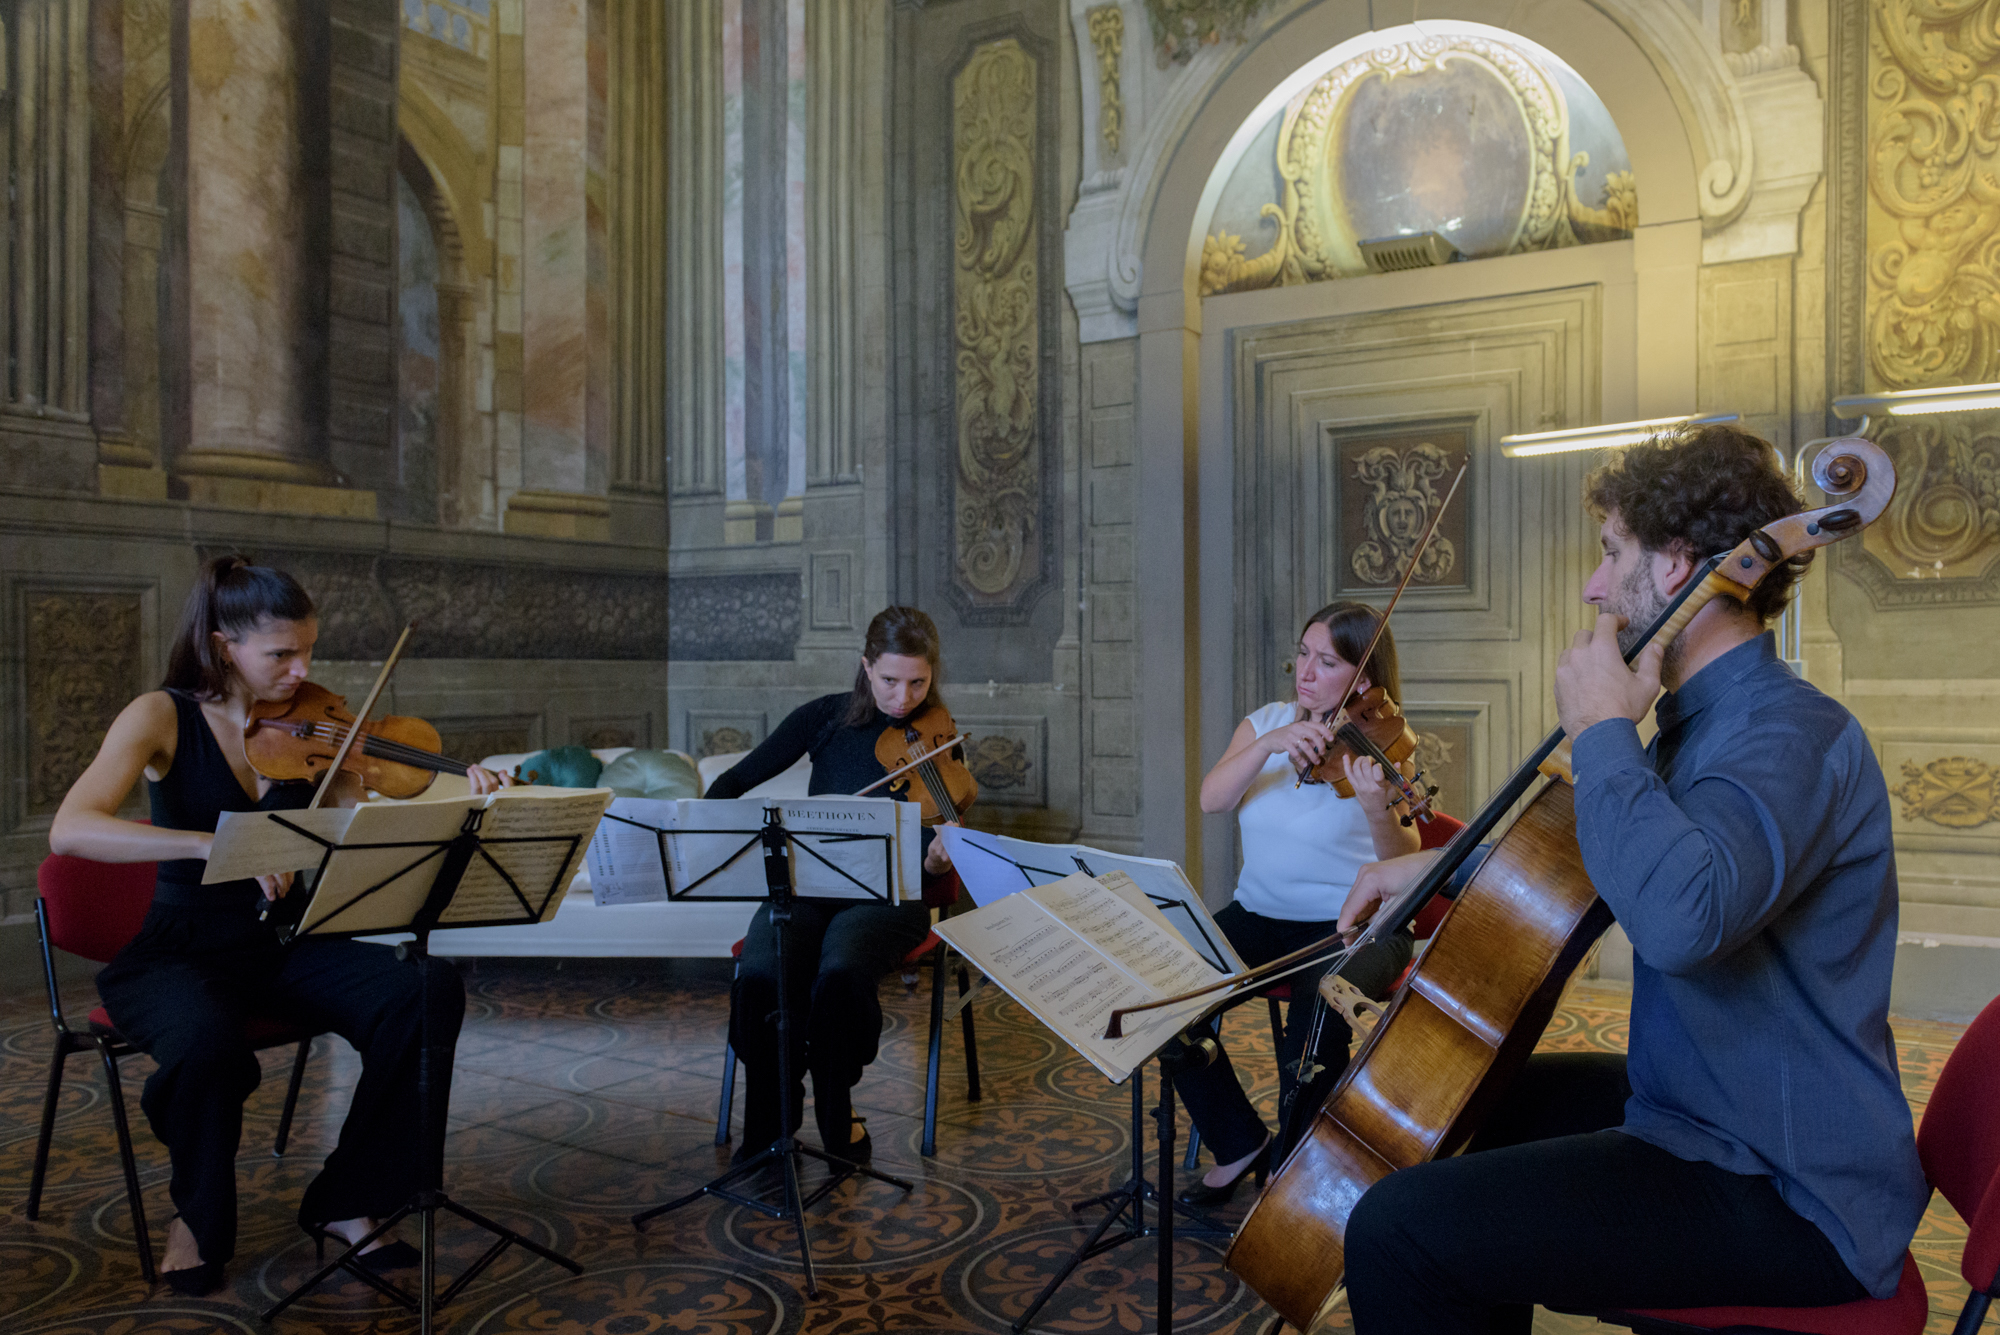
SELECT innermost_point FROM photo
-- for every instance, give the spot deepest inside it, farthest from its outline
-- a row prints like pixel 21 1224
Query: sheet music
pixel 483 894
pixel 624 856
pixel 713 849
pixel 1074 951
pixel 1148 951
pixel 251 843
pixel 338 902
pixel 993 866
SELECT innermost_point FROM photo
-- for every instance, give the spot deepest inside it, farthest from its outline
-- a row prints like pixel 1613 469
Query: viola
pixel 296 739
pixel 1373 728
pixel 944 786
pixel 1465 1018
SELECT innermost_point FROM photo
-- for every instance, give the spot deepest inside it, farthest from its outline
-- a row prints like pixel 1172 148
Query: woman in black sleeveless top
pixel 837 949
pixel 202 961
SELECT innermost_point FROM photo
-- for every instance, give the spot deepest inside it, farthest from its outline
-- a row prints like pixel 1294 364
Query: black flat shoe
pixel 1202 1196
pixel 195 1281
pixel 858 1149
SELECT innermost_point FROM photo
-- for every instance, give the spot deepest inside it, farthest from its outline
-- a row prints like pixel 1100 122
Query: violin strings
pixel 384 748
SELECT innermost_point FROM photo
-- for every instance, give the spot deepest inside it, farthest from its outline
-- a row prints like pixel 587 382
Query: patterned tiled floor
pixel 587 1092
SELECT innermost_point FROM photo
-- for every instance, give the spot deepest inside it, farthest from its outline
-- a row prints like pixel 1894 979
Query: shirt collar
pixel 1714 681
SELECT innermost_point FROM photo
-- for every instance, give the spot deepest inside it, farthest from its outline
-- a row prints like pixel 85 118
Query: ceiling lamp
pixel 1607 437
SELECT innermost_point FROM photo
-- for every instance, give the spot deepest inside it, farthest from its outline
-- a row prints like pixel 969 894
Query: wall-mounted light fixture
pixel 1610 436
pixel 1906 402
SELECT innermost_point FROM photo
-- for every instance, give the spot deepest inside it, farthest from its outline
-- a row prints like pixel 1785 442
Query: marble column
pixel 253 371
pixel 564 465
pixel 46 438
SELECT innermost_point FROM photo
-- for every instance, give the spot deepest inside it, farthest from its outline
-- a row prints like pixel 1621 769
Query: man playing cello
pixel 1754 1147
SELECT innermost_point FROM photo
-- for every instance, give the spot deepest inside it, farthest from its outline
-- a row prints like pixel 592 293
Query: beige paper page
pixel 252 843
pixel 528 813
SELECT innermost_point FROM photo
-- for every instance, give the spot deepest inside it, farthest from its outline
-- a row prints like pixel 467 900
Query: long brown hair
pixel 1350 626
pixel 895 630
pixel 232 598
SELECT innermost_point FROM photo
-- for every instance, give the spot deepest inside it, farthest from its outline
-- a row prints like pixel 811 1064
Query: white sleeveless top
pixel 1301 845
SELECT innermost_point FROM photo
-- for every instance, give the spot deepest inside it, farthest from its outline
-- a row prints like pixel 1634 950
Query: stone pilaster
pixel 247 430
pixel 564 472
pixel 46 438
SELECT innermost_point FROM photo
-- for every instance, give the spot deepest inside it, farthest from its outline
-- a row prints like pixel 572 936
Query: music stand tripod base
pixel 786 1148
pixel 1131 1197
pixel 431 1198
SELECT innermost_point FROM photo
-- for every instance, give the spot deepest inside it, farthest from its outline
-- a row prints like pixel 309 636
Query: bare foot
pixel 182 1253
pixel 353 1230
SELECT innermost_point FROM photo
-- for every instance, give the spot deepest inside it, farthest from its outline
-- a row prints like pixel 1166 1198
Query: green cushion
pixel 562 767
pixel 656 774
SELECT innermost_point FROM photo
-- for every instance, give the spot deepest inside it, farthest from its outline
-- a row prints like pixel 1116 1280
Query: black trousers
pixel 837 951
pixel 180 992
pixel 1215 1099
pixel 1548 1206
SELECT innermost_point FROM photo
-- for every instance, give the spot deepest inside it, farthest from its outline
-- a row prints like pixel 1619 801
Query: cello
pixel 1472 1009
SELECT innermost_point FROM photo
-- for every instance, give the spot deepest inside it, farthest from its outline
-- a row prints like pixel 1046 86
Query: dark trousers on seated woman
pixel 1215 1100
pixel 836 953
pixel 1549 1206
pixel 180 992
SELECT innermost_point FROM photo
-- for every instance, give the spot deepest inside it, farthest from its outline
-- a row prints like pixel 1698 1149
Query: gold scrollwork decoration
pixel 1934 193
pixel 1945 520
pixel 1402 497
pixel 1107 39
pixel 999 762
pixel 997 324
pixel 1953 791
pixel 1313 242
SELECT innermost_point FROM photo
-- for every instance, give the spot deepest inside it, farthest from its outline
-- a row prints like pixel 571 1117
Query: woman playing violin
pixel 1302 844
pixel 838 949
pixel 203 961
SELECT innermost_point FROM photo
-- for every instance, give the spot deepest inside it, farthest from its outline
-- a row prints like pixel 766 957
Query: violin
pixel 945 787
pixel 1373 728
pixel 296 739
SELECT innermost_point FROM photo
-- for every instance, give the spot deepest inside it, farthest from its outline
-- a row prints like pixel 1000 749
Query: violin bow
pixel 909 765
pixel 1382 621
pixel 360 717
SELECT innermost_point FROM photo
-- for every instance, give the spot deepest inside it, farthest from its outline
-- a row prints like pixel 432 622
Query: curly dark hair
pixel 1700 490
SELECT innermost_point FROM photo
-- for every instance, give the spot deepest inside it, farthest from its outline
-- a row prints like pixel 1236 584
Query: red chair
pixel 92 909
pixel 942 892
pixel 1959 1143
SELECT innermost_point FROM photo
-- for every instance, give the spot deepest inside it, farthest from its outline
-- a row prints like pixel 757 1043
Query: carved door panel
pixel 1349 431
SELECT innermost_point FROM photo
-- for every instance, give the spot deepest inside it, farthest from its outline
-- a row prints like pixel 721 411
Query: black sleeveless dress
pixel 202 964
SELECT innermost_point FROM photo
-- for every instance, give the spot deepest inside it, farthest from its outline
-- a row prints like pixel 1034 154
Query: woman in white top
pixel 1302 844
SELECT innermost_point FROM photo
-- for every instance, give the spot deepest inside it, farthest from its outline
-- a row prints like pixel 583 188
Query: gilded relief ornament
pixel 1107 39
pixel 725 741
pixel 1402 497
pixel 1944 522
pixel 1182 26
pixel 998 762
pixel 1952 791
pixel 1934 224
pixel 81 666
pixel 1315 240
pixel 997 324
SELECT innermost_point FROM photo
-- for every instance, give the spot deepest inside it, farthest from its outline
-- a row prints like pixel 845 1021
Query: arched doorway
pixel 1258 407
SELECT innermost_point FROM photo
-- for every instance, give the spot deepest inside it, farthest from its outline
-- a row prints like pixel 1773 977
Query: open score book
pixel 1075 950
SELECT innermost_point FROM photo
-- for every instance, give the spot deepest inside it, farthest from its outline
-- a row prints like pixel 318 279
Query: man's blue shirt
pixel 1746 853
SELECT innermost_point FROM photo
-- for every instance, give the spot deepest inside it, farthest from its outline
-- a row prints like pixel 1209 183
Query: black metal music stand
pixel 1131 1196
pixel 434 1062
pixel 786 1149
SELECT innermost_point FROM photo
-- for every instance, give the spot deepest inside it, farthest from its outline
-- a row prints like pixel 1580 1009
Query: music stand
pixel 776 841
pixel 453 858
